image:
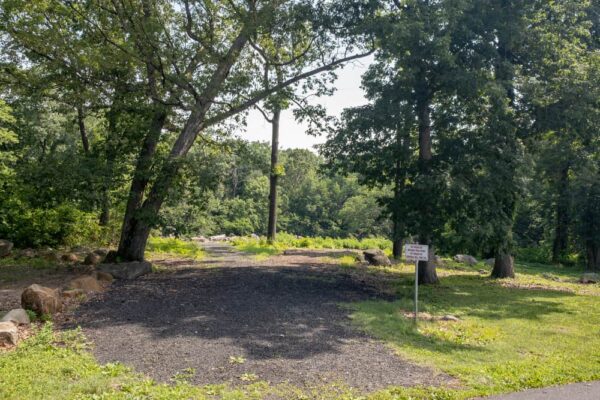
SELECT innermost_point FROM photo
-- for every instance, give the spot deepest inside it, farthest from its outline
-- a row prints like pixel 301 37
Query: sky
pixel 348 94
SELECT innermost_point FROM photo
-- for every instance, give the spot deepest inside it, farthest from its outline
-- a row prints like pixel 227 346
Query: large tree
pixel 197 62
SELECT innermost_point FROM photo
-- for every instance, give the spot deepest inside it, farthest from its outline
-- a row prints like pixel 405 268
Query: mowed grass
pixel 539 329
pixel 261 248
pixel 160 247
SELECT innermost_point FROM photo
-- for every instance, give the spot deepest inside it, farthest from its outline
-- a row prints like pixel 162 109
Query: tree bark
pixel 593 256
pixel 503 266
pixel 82 131
pixel 427 270
pixel 561 231
pixel 274 177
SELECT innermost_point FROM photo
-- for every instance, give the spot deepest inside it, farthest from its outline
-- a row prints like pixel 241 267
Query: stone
pixel 450 318
pixel 69 258
pixel 27 253
pixel 9 333
pixel 590 277
pixel 465 259
pixel 92 259
pixel 88 284
pixel 104 276
pixel 5 247
pixel 101 252
pixel 376 257
pixel 437 260
pixel 255 236
pixel 483 271
pixel 200 239
pixel 41 300
pixel 218 238
pixel 18 316
pixel 490 261
pixel 73 293
pixel 126 270
pixel 51 256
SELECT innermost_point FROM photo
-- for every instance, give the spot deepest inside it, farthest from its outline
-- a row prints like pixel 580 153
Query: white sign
pixel 416 252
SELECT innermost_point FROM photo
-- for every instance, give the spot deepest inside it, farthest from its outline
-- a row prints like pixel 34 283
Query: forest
pixel 124 126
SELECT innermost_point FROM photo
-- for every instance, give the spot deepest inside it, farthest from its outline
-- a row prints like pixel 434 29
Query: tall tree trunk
pixel 561 231
pixel 427 270
pixel 274 176
pixel 82 131
pixel 503 266
pixel 593 256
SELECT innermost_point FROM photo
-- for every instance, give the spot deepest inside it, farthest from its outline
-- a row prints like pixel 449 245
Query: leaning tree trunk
pixel 82 130
pixel 561 231
pixel 503 266
pixel 273 177
pixel 427 270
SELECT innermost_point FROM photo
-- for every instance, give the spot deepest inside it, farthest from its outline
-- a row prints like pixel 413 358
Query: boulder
pixel 101 252
pixel 5 247
pixel 88 284
pixel 376 257
pixel 218 238
pixel 51 256
pixel 18 316
pixel 92 259
pixel 69 258
pixel 73 293
pixel 465 259
pixel 450 318
pixel 200 239
pixel 41 300
pixel 490 261
pixel 590 277
pixel 437 260
pixel 127 270
pixel 104 276
pixel 9 334
pixel 255 236
pixel 27 253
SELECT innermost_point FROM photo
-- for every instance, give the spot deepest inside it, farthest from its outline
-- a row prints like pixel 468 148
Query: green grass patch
pixel 528 332
pixel 158 246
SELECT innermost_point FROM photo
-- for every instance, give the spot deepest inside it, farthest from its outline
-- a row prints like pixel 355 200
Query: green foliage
pixel 61 225
pixel 158 246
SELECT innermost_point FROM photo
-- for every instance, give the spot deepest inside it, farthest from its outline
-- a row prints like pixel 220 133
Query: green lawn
pixel 540 329
pixel 161 247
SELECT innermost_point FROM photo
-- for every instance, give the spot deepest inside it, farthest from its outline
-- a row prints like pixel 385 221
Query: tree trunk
pixel 131 244
pixel 503 266
pixel 104 219
pixel 427 271
pixel 561 231
pixel 593 256
pixel 82 131
pixel 274 176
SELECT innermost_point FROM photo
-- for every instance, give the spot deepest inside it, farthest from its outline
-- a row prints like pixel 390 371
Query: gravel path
pixel 231 315
pixel 574 391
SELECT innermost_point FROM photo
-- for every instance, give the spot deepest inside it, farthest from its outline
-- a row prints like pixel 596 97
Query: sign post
pixel 416 253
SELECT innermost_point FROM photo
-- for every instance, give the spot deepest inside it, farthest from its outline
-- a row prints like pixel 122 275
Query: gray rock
pixel 465 259
pixel 437 260
pixel 450 318
pixel 93 259
pixel 101 252
pixel 218 238
pixel 27 253
pixel 376 257
pixel 9 334
pixel 490 261
pixel 590 277
pixel 5 247
pixel 127 270
pixel 18 316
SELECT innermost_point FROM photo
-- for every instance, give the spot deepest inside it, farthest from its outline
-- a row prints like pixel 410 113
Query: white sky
pixel 348 94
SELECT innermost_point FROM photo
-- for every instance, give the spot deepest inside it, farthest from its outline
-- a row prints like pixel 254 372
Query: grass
pixel 262 249
pixel 160 247
pixel 536 330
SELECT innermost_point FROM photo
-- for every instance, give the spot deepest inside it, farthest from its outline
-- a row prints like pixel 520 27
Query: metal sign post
pixel 416 253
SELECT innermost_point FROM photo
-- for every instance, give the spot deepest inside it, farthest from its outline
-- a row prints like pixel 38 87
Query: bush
pixel 35 227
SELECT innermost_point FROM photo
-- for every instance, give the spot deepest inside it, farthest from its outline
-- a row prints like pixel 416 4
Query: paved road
pixel 575 391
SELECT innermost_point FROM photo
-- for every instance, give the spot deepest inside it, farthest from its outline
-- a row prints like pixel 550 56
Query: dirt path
pixel 231 315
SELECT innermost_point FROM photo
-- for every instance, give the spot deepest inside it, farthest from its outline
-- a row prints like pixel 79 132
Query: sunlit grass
pixel 158 246
pixel 528 332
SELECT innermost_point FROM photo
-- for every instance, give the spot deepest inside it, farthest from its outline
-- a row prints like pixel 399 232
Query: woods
pixel 480 132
